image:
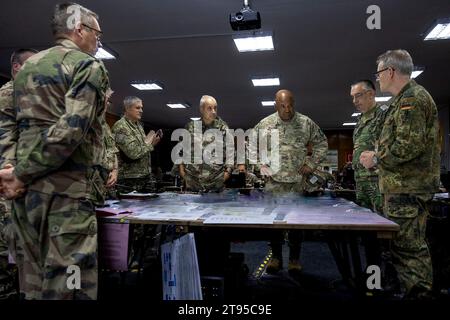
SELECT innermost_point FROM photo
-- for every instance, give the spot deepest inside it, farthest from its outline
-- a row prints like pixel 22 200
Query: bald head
pixel 208 109
pixel 284 104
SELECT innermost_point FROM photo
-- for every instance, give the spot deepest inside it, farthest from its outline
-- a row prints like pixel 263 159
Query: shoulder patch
pixel 406 107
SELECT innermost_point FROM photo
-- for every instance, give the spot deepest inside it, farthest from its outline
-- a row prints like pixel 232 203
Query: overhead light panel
pixel 177 105
pixel 382 99
pixel 195 119
pixel 268 103
pixel 355 114
pixel 253 42
pixel 266 82
pixel 440 31
pixel 146 86
pixel 349 124
pixel 102 54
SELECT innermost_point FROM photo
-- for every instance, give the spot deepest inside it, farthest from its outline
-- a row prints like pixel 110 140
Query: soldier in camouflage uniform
pixel 111 163
pixel 135 166
pixel 60 100
pixel 7 158
pixel 365 134
pixel 297 133
pixel 206 176
pixel 408 160
pixel 135 147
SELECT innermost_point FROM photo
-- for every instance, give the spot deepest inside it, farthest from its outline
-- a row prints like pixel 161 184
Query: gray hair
pixel 129 101
pixel 205 98
pixel 398 59
pixel 67 15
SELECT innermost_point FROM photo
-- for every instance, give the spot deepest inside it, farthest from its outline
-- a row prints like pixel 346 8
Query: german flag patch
pixel 406 107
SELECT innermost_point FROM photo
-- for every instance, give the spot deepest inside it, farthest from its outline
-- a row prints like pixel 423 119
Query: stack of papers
pixel 180 272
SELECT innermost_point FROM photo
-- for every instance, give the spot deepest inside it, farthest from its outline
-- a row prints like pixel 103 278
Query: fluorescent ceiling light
pixel 102 54
pixel 255 43
pixel 382 99
pixel 349 124
pixel 268 103
pixel 177 105
pixel 146 86
pixel 355 114
pixel 440 31
pixel 195 119
pixel 266 82
pixel 416 73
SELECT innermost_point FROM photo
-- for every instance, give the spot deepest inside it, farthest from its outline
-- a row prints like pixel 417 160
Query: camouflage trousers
pixel 368 195
pixel 278 188
pixel 213 183
pixel 294 237
pixel 145 184
pixel 55 233
pixel 7 272
pixel 410 253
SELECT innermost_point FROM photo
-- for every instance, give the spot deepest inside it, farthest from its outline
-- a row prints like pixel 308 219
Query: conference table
pixel 345 225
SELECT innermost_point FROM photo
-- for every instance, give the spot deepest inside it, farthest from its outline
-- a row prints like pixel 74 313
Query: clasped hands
pixel 366 159
pixel 153 137
pixel 10 186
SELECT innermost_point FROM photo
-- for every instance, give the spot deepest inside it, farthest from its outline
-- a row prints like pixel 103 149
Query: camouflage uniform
pixel 294 138
pixel 60 99
pixel 8 127
pixel 110 160
pixel 408 160
pixel 134 157
pixel 7 156
pixel 366 132
pixel 7 272
pixel 206 177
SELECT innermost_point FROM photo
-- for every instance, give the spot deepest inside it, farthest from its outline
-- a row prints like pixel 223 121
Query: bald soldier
pixel 297 133
pixel 8 129
pixel 206 176
pixel 60 97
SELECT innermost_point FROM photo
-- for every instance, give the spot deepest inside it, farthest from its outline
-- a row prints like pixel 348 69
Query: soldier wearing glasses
pixel 365 134
pixel 60 94
pixel 408 159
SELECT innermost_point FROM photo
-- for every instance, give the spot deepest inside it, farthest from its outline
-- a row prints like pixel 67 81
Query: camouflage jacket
pixel 366 133
pixel 60 99
pixel 134 155
pixel 111 151
pixel 408 148
pixel 204 172
pixel 294 138
pixel 8 127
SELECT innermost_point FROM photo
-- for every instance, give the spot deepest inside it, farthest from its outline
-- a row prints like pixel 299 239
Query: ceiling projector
pixel 246 19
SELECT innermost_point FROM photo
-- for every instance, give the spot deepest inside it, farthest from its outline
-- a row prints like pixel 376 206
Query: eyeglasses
pixel 359 95
pixel 98 33
pixel 377 74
